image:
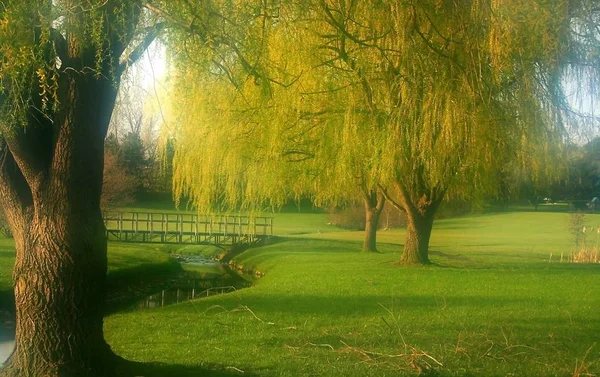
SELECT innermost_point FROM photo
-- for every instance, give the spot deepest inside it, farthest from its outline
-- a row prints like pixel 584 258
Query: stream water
pixel 201 278
pixel 7 334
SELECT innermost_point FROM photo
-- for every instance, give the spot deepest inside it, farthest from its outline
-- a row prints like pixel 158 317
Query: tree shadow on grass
pixel 451 257
pixel 136 369
pixel 311 244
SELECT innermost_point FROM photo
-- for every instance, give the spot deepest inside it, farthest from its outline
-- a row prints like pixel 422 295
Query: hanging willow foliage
pixel 33 37
pixel 437 96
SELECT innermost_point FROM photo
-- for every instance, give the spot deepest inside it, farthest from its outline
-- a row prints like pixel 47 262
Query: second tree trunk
pixel 418 233
pixel 371 225
pixel 373 202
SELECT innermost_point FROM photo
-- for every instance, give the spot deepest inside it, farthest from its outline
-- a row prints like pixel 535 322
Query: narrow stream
pixel 201 278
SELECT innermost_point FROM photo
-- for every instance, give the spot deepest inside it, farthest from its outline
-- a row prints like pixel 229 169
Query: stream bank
pixel 186 277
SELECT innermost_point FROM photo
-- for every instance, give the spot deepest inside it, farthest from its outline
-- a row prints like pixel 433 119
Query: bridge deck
pixel 220 230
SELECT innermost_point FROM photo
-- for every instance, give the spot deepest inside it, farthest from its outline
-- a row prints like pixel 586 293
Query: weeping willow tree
pixel 420 101
pixel 224 156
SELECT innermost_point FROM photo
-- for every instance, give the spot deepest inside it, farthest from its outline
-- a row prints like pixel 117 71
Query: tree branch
pixel 15 194
pixel 28 145
pixel 152 33
pixel 166 16
pixel 60 44
pixel 430 44
pixel 389 199
pixel 380 200
pixel 295 155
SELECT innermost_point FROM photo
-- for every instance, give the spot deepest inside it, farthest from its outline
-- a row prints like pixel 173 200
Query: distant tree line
pixel 582 179
pixel 133 168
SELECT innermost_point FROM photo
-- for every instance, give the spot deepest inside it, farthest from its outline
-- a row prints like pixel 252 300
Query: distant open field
pixel 495 303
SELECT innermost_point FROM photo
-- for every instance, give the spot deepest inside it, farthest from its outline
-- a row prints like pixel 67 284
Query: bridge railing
pixel 187 224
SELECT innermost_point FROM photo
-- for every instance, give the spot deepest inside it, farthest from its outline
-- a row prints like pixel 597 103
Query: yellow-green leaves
pixel 41 40
pixel 343 95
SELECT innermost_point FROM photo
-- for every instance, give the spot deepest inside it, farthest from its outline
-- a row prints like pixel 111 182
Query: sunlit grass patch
pixel 491 305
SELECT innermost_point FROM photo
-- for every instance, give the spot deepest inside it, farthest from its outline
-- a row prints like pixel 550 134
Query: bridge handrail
pixel 187 223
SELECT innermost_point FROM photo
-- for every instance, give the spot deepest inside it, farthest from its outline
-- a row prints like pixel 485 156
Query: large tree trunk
pixel 60 272
pixel 374 203
pixel 50 186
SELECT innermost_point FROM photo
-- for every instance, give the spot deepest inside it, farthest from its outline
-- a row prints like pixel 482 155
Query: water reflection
pixel 202 278
pixel 188 288
pixel 6 348
pixel 7 335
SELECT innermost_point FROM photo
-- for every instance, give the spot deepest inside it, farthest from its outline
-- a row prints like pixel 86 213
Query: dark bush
pixel 353 217
pixel 453 208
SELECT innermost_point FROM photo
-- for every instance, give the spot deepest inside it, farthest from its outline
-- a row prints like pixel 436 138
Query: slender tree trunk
pixel 371 224
pixel 374 203
pixel 418 232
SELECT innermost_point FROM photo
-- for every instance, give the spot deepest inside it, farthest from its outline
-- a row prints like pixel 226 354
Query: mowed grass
pixel 494 304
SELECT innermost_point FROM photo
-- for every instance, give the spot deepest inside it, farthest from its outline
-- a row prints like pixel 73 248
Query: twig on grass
pixel 291 347
pixel 247 309
pixel 214 307
pixel 322 345
pixel 582 368
pixel 367 354
pixel 398 329
pixel 415 357
pixel 236 369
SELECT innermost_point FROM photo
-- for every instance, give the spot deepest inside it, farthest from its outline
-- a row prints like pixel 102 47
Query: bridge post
pixel 165 227
pixel 120 224
pixel 180 226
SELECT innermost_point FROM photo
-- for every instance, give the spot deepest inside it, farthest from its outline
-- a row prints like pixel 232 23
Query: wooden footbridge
pixel 221 230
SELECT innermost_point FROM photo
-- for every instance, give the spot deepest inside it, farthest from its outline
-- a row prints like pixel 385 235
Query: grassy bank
pixel 131 268
pixel 494 304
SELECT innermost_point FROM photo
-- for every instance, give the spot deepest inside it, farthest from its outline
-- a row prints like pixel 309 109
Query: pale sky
pixel 153 66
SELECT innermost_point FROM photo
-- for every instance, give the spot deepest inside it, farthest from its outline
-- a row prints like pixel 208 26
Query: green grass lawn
pixel 494 305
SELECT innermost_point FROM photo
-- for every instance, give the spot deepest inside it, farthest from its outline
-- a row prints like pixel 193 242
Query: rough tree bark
pixel 374 202
pixel 418 232
pixel 50 187
pixel 420 209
